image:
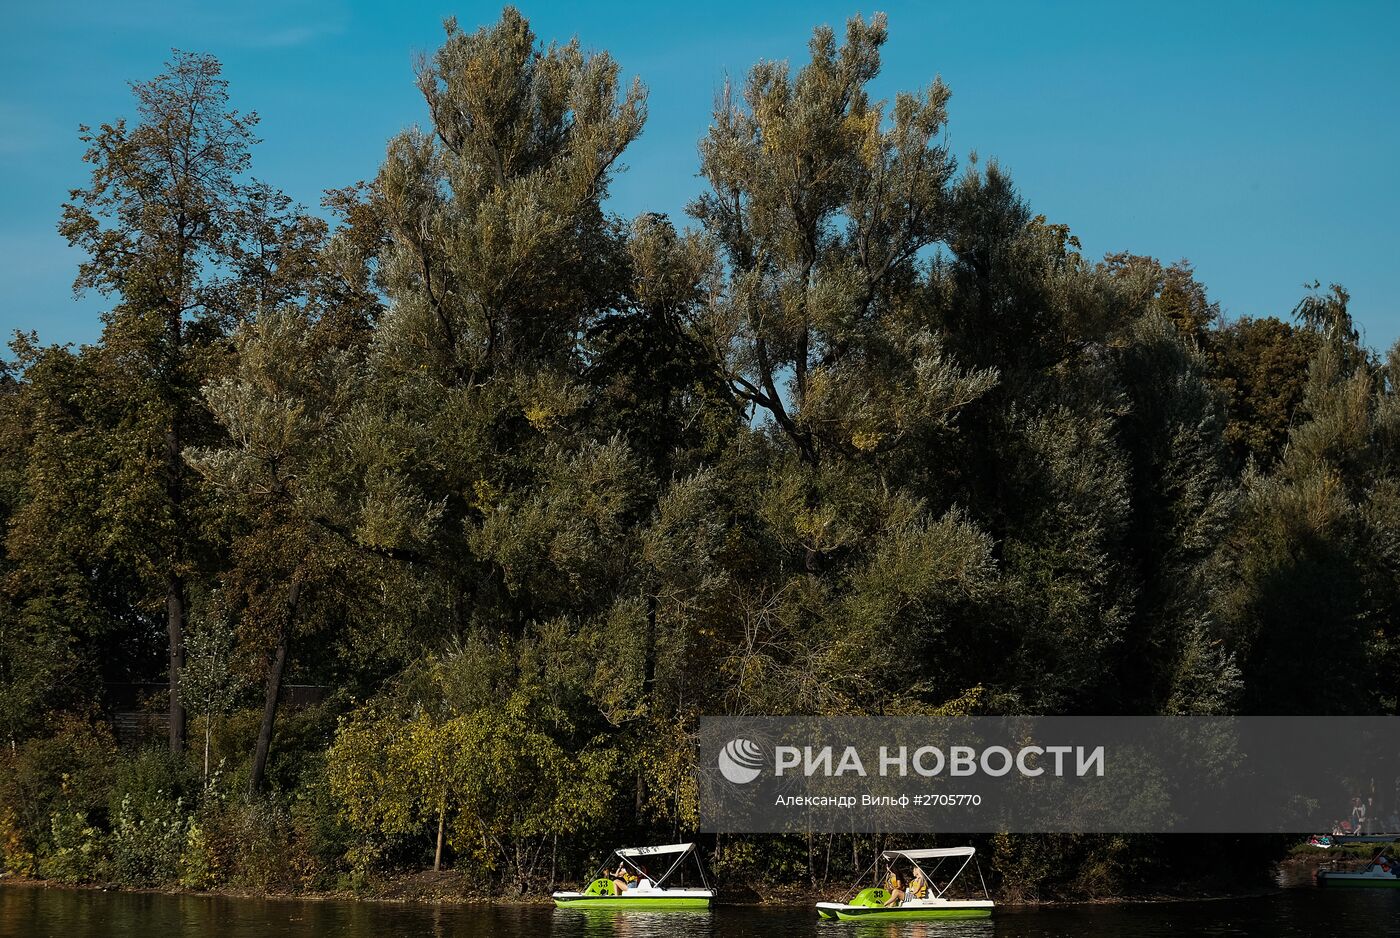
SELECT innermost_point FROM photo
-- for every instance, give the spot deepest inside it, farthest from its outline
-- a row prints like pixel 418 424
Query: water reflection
pixel 953 928
pixel 57 913
pixel 606 923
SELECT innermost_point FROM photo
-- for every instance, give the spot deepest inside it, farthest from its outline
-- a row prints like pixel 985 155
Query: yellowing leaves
pixel 540 416
pixel 866 440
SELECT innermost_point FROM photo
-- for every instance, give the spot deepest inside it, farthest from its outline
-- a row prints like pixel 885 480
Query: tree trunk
pixel 175 625
pixel 648 691
pixel 274 689
pixel 649 657
pixel 442 828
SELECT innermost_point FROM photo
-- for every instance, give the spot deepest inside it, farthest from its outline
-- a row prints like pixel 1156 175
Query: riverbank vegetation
pixel 522 487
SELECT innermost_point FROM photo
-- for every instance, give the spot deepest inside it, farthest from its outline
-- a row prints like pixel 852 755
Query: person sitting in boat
pixel 918 889
pixel 622 879
pixel 895 886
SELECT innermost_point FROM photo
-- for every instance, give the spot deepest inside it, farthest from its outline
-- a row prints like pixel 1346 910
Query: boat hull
pixel 1357 881
pixel 903 913
pixel 653 903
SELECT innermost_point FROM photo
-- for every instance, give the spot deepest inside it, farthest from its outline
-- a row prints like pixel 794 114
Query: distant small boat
pixel 642 892
pixel 868 905
pixel 1381 873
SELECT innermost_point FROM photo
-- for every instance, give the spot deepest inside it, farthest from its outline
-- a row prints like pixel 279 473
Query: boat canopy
pixel 931 852
pixel 653 851
pixel 630 856
pixel 938 854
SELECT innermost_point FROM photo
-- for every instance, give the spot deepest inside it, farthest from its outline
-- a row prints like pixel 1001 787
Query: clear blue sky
pixel 1259 140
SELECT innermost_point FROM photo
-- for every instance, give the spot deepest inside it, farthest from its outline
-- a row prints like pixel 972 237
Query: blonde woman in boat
pixel 918 889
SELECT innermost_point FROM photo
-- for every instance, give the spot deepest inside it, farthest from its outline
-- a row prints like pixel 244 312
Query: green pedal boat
pixel 1381 873
pixel 924 898
pixel 631 885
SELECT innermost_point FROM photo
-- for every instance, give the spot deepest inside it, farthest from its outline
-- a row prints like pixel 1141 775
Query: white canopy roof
pixel 652 851
pixel 930 852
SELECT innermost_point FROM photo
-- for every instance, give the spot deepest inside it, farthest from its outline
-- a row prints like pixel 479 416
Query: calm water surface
pixel 56 913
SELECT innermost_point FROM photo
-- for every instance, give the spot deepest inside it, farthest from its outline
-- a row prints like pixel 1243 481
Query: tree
pixel 1173 290
pixel 1261 367
pixel 1304 557
pixel 159 226
pixel 292 385
pixel 1184 502
pixel 499 259
pixel 474 749
pixel 210 678
pixel 1038 462
pixel 821 204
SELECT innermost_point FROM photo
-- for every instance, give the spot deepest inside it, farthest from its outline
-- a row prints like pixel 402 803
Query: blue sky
pixel 1259 140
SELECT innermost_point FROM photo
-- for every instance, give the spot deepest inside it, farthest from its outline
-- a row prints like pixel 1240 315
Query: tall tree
pixel 1311 545
pixel 500 258
pixel 158 224
pixel 293 383
pixel 822 203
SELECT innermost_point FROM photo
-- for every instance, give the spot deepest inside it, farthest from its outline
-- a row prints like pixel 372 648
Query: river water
pixel 28 912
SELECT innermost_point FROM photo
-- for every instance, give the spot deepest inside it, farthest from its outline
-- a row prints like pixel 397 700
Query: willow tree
pixel 822 203
pixel 499 257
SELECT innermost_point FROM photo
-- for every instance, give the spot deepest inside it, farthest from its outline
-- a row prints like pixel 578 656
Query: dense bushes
pixel 140 818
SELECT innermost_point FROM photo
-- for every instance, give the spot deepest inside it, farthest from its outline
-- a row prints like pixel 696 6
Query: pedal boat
pixel 868 905
pixel 1381 873
pixel 648 894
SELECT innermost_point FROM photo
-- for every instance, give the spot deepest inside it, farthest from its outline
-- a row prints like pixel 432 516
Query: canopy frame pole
pixel 951 879
pixel 701 868
pixel 602 867
pixel 667 875
pixel 868 870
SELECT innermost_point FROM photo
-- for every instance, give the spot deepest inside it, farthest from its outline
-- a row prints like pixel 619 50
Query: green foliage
pixel 1261 366
pixel 253 846
pixel 147 839
pixel 495 773
pixel 66 772
pixel 75 850
pixel 1077 865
